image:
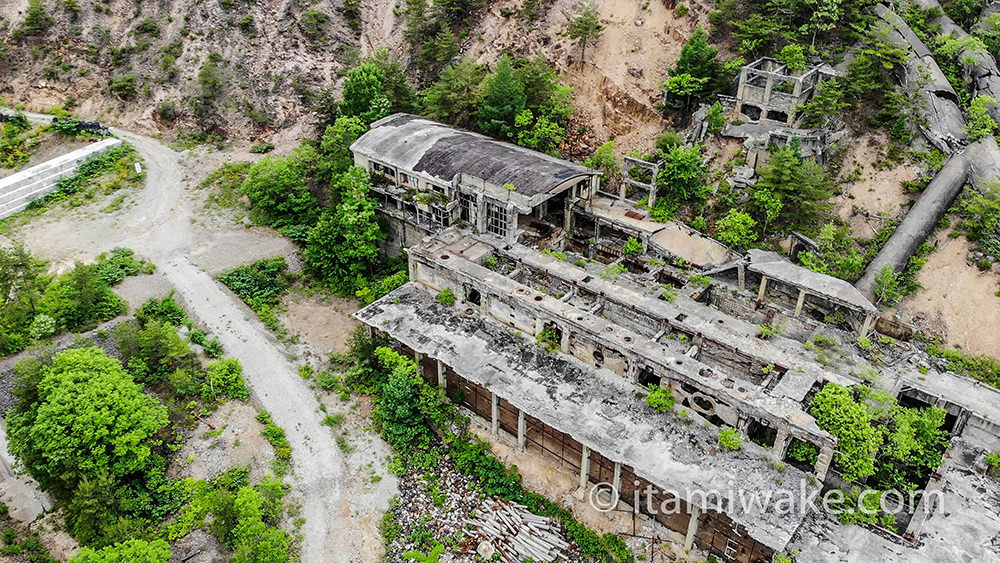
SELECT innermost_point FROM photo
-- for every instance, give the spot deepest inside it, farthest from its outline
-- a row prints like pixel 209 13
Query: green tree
pixel 604 160
pixel 837 412
pixel 584 27
pixel 131 551
pixel 537 134
pixel 21 286
pixel 767 205
pixel 36 20
pixel 335 156
pixel 504 98
pixel 343 247
pixel 793 56
pixel 979 123
pixel 277 187
pixel 737 229
pixel 696 74
pixel 681 174
pixel 438 50
pixel 544 94
pixel 802 186
pixel 455 96
pixel 823 17
pixel 395 86
pixel 88 417
pixel 313 23
pixel 364 94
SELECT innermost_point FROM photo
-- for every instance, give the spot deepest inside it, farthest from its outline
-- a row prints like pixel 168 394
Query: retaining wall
pixel 18 190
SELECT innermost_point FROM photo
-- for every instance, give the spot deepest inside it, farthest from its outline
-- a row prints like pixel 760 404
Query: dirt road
pixel 163 225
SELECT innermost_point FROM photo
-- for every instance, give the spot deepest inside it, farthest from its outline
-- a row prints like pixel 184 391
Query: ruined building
pixel 770 91
pixel 553 353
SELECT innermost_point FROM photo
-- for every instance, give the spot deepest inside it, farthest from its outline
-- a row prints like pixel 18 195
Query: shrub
pixel 993 463
pixel 125 86
pixel 737 229
pixel 661 399
pixel 36 20
pixel 767 331
pixel 313 23
pixel 730 438
pixel 980 124
pixel 804 452
pixel 262 148
pixel 446 297
pixel 376 289
pixel 225 378
pixel 887 287
pixel 632 247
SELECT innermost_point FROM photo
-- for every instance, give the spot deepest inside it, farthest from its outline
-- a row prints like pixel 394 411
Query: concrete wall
pixel 20 189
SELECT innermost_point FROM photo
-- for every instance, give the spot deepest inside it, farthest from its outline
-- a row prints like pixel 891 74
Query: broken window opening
pixel 496 219
pixel 752 112
pixel 779 116
pixel 761 433
pixel 648 377
pixel 473 296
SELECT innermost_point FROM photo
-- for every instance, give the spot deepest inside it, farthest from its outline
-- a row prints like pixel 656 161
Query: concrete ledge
pixel 19 190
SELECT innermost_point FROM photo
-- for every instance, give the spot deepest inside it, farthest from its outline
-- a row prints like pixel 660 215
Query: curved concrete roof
pixel 423 146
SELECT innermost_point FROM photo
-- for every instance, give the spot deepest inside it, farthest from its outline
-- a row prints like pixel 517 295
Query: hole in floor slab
pixel 444 256
pixel 538 298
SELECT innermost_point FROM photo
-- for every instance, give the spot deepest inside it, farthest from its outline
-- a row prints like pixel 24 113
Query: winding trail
pixel 160 227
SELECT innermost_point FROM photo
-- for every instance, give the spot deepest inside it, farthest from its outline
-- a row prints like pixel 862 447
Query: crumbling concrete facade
pixel 428 176
pixel 771 92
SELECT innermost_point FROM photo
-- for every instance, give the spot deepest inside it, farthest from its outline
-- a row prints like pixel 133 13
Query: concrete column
pixel 763 288
pixel 823 462
pixel 522 428
pixel 418 357
pixel 652 192
pixel 867 325
pixel 480 219
pixel 780 443
pixel 567 215
pixel 564 341
pixel 692 527
pixel 800 302
pixel 645 240
pixel 584 468
pixel 495 423
pixel 622 191
pixel 741 276
pixel 616 481
pixel 442 376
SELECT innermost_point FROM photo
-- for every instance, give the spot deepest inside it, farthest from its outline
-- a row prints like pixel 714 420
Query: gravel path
pixel 161 227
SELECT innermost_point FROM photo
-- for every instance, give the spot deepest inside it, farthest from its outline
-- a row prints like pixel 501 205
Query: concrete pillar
pixel 522 428
pixel 584 468
pixel 692 527
pixel 780 443
pixel 823 462
pixel 741 276
pixel 480 219
pixel 495 423
pixel 616 481
pixel 645 241
pixel 567 215
pixel 564 341
pixel 800 302
pixel 418 357
pixel 867 325
pixel 652 191
pixel 442 376
pixel 763 288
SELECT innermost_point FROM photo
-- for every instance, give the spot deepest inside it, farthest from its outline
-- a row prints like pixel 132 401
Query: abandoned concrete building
pixel 428 176
pixel 769 91
pixel 556 335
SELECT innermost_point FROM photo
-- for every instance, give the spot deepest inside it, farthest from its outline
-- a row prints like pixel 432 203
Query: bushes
pixel 730 439
pixel 276 436
pixel 225 378
pixel 125 86
pixel 374 290
pixel 259 284
pixel 36 20
pixel 446 297
pixel 313 23
pixel 660 399
pixel 277 188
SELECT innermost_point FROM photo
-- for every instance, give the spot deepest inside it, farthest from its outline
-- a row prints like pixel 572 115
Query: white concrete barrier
pixel 19 190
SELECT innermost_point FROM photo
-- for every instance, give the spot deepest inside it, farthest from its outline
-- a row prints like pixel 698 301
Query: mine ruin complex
pixel 491 222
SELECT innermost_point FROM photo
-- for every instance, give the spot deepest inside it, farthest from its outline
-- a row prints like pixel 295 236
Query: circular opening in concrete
pixel 469 311
pixel 741 389
pixel 444 256
pixel 579 318
pixel 627 338
pixel 598 356
pixel 538 298
pixel 520 290
pixel 678 362
pixel 720 321
pixel 608 329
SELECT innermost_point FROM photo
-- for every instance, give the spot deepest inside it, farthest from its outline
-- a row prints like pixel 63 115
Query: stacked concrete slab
pixel 20 189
